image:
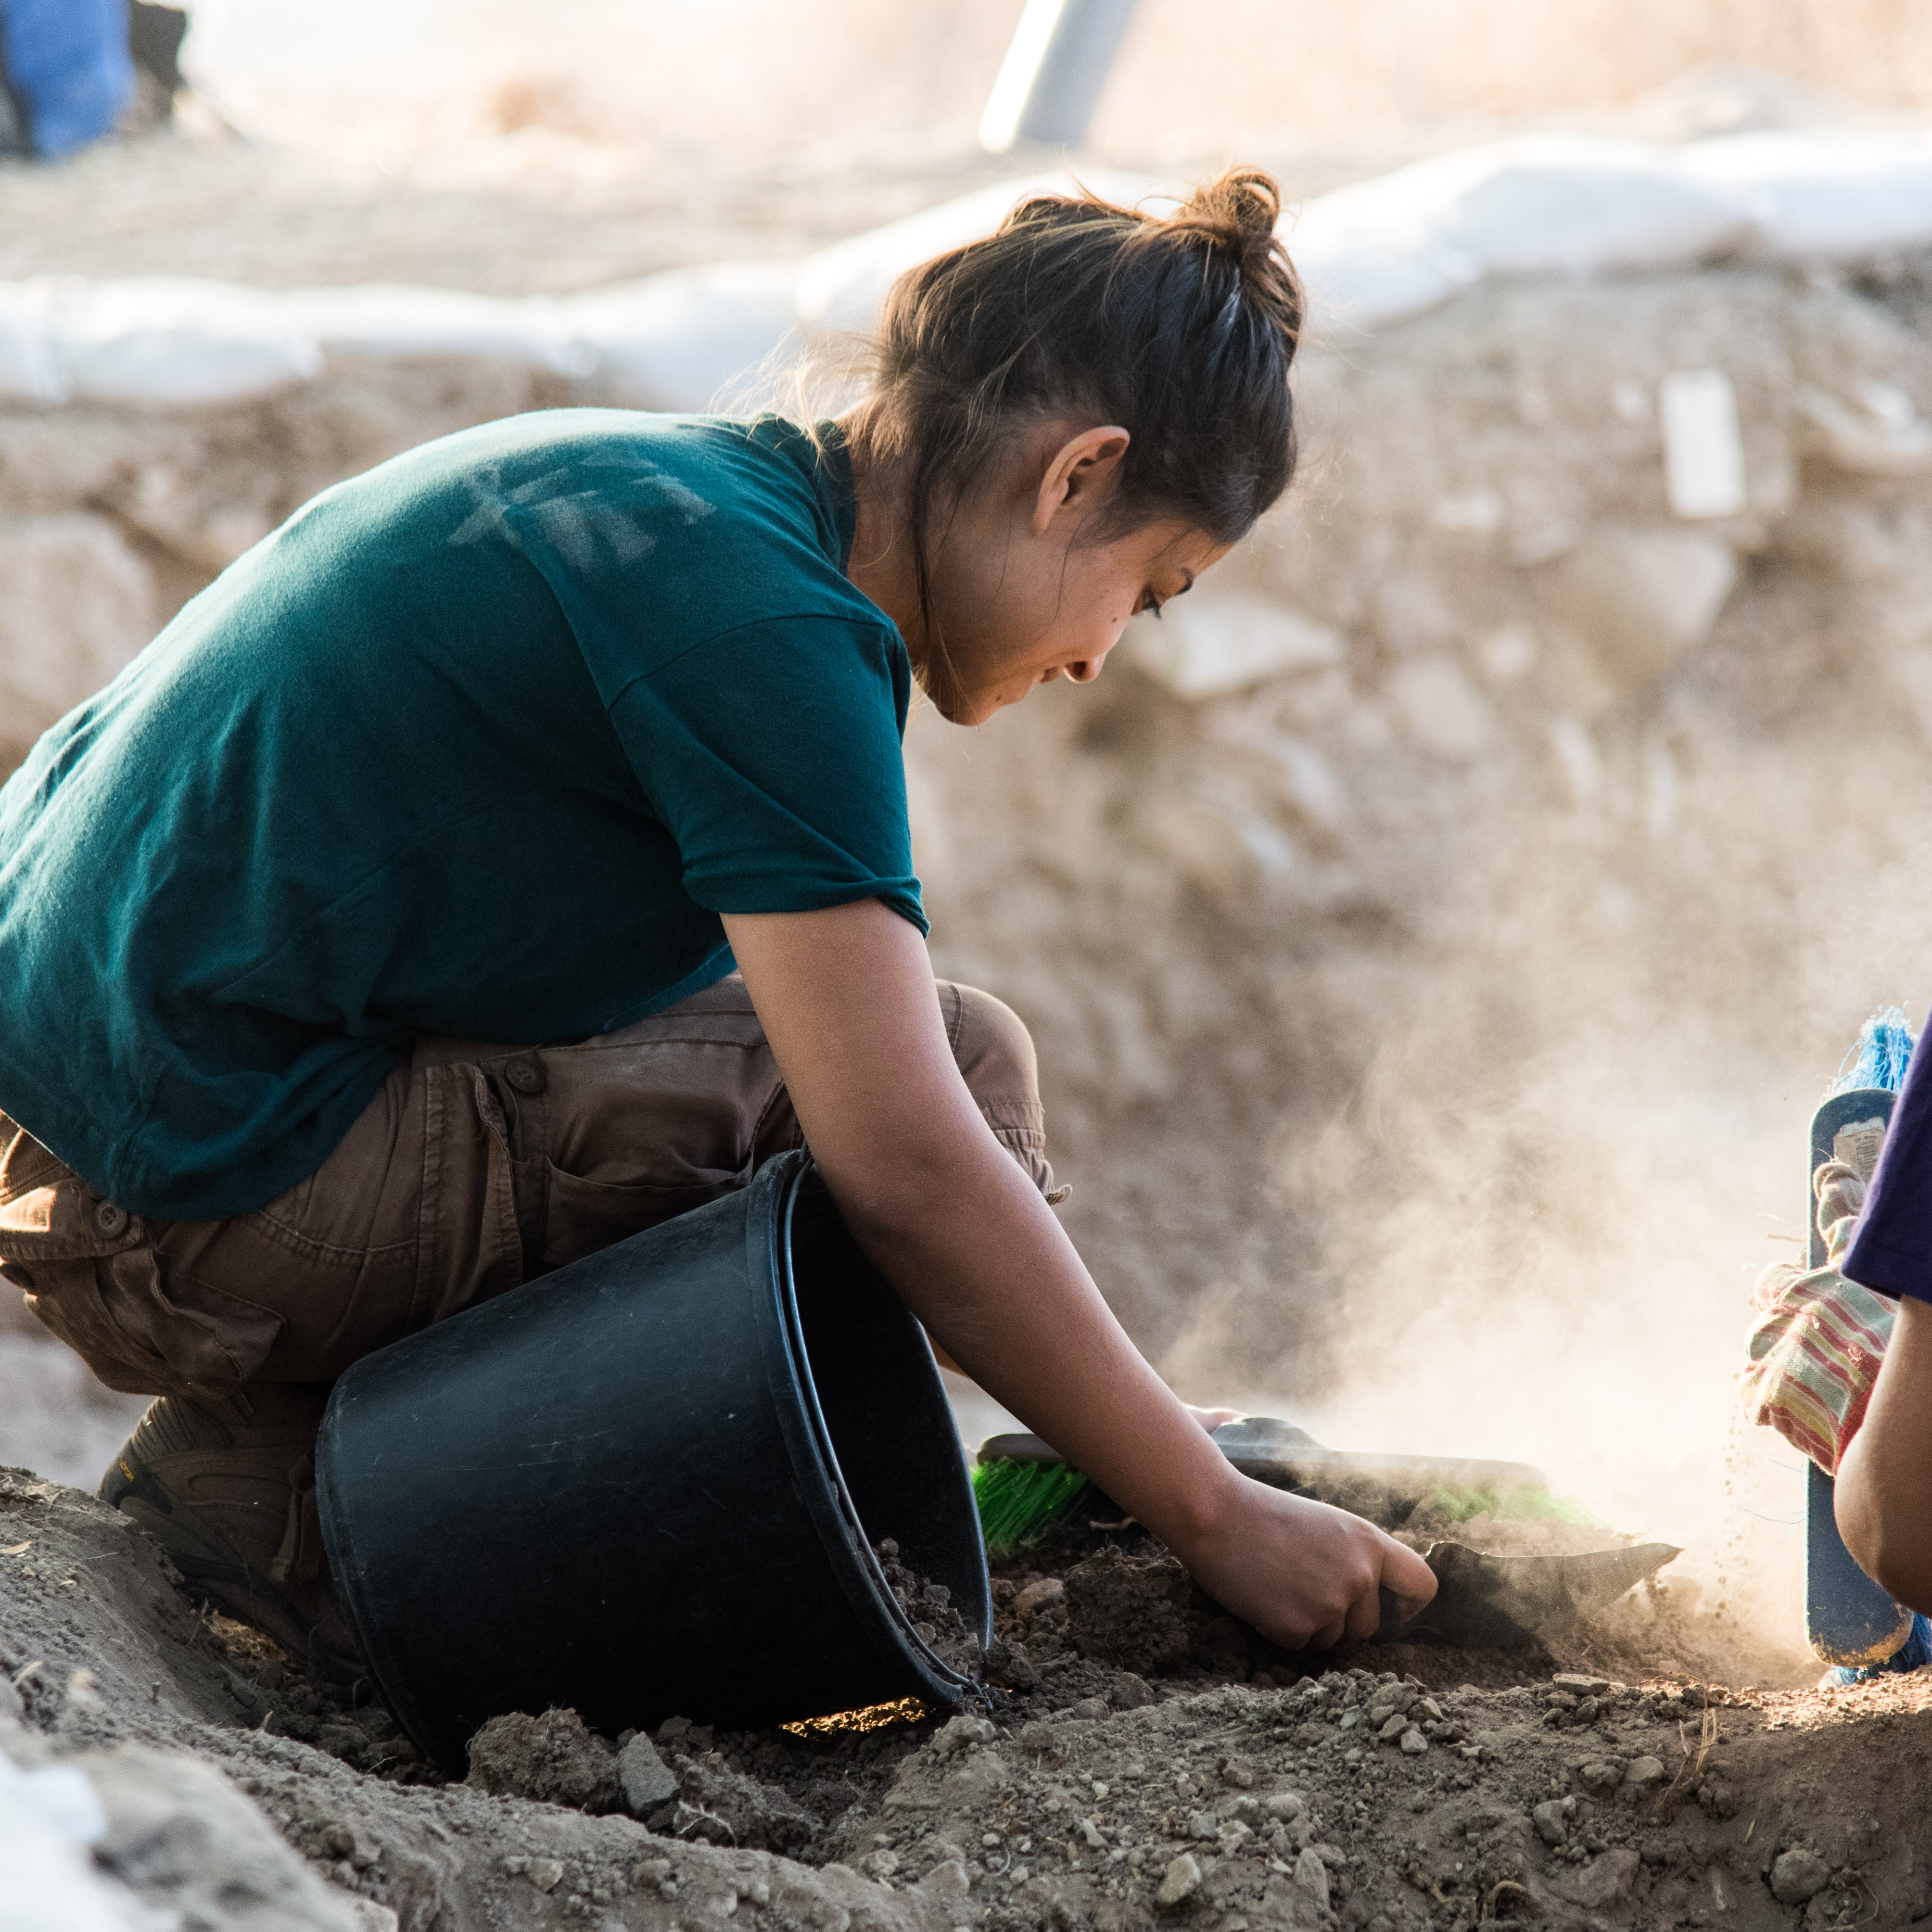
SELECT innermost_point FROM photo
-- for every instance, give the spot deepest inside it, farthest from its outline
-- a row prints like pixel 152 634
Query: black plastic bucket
pixel 650 1483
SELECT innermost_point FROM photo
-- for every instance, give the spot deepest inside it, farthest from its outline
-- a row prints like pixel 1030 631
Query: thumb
pixel 1406 1579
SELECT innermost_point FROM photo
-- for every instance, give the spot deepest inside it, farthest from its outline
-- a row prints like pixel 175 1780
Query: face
pixel 1025 588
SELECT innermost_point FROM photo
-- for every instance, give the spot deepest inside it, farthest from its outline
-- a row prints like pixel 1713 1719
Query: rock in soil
pixel 646 1780
pixel 553 1759
pixel 722 1806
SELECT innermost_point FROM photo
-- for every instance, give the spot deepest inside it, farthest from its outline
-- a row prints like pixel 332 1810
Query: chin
pixel 962 708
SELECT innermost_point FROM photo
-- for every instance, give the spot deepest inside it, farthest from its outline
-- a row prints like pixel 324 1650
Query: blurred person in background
pixel 1844 1354
pixel 512 852
pixel 74 69
pixel 1839 1359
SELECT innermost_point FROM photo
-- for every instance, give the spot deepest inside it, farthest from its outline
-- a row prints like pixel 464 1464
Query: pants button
pixel 524 1074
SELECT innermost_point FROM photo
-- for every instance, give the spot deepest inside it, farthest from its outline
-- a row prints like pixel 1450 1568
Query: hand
pixel 1304 1573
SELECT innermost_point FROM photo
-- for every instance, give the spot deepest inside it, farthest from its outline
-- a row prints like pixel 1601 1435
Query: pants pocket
pixel 115 1312
pixel 580 1215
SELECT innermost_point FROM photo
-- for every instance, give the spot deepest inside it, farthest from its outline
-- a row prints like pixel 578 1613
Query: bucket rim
pixel 814 1458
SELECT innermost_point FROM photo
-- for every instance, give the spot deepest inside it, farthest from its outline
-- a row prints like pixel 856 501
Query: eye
pixel 1150 604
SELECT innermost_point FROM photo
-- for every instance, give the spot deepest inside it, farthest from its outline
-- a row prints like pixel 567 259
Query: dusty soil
pixel 1162 1764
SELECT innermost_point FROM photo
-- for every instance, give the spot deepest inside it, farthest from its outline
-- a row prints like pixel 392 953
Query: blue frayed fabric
pixel 1879 1058
pixel 1913 1654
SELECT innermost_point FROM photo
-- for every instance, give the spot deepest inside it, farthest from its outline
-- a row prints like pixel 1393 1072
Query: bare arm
pixel 1884 1497
pixel 846 999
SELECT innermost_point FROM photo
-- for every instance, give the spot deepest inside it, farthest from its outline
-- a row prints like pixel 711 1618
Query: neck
pixel 881 564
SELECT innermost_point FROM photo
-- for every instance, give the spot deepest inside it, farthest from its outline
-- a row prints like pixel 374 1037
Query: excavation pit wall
pixel 1435 933
pixel 1226 1790
pixel 1436 930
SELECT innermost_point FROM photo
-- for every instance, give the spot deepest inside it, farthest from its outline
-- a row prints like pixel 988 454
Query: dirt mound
pixel 1360 1799
pixel 108 1670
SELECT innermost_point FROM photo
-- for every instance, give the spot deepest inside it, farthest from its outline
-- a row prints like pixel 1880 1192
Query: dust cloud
pixel 1431 1031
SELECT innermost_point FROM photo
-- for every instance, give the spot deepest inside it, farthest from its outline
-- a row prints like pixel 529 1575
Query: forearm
pixel 1884 1491
pixel 980 1258
pixel 951 1221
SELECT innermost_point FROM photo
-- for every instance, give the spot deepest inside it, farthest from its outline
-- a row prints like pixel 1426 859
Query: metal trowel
pixel 1500 1602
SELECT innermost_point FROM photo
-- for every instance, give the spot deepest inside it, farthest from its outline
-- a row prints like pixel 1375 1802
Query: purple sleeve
pixel 1892 1249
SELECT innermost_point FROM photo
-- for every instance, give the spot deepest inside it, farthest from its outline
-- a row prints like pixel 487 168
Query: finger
pixel 1329 1635
pixel 1211 1419
pixel 1365 1616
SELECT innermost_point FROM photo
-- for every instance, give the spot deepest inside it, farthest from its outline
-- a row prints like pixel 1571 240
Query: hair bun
pixel 1238 212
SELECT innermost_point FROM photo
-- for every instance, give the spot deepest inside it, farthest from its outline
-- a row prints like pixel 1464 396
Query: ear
pixel 1083 472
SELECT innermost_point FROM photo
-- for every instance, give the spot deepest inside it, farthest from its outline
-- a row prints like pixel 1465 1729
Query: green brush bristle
pixel 1511 1506
pixel 1019 1502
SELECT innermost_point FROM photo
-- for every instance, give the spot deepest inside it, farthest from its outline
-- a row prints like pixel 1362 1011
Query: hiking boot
pixel 234 1506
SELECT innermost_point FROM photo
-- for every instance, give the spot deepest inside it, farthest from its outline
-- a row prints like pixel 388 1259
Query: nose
pixel 1084 670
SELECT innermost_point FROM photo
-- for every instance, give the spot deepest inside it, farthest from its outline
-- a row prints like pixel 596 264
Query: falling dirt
pixel 936 1619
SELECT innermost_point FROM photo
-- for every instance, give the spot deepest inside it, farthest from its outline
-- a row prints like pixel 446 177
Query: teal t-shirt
pixel 481 743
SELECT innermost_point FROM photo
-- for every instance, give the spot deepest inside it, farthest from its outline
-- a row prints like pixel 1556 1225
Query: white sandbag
pixel 392 322
pixel 164 339
pixel 1534 204
pixel 28 366
pixel 1815 193
pixel 683 341
pixel 1356 283
pixel 1544 203
pixel 840 287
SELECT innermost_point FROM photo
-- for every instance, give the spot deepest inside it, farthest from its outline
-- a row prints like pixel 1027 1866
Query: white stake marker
pixel 1703 448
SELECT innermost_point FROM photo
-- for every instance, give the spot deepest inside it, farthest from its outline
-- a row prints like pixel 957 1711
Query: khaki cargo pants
pixel 474 1169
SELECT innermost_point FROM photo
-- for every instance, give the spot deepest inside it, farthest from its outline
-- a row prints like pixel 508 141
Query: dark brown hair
pixel 1180 328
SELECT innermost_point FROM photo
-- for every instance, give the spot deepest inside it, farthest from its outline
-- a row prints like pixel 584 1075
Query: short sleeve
pixel 773 755
pixel 1892 1250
